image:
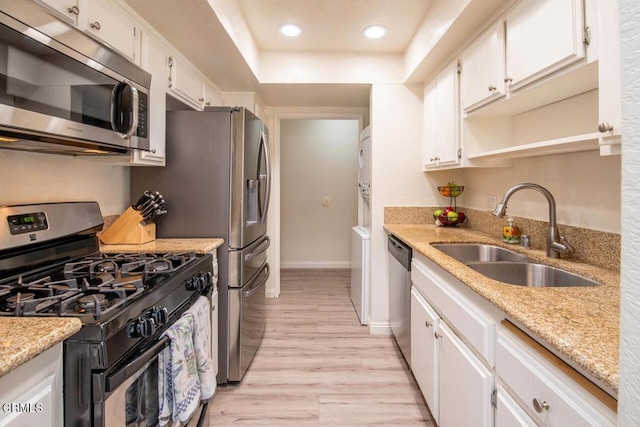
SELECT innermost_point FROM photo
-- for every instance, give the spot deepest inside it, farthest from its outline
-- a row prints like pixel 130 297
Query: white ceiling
pixel 333 25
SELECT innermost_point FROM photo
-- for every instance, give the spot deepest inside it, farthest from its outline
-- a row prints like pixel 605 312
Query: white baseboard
pixel 315 264
pixel 271 293
pixel 379 328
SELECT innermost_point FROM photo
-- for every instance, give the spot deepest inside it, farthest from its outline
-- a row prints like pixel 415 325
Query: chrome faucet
pixel 556 244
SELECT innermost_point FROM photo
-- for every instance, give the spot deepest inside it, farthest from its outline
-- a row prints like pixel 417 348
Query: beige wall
pixel 34 178
pixel 586 187
pixel 318 159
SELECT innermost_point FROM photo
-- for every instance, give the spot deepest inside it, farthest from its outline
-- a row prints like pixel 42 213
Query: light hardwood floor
pixel 318 366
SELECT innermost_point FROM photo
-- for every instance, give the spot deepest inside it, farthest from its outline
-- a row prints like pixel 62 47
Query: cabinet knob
pixel 437 335
pixel 153 151
pixel 492 88
pixel 605 127
pixel 95 25
pixel 540 406
pixel 508 79
pixel 201 99
pixel 434 159
pixel 74 10
pixel 428 324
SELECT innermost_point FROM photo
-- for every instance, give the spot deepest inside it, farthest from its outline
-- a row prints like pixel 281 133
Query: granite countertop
pixel 23 338
pixel 200 246
pixel 579 324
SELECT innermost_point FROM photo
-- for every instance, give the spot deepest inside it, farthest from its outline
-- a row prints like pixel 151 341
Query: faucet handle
pixel 569 249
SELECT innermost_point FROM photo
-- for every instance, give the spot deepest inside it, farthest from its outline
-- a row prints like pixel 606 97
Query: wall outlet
pixel 491 202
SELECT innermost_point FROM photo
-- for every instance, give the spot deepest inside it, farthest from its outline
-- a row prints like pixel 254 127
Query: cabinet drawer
pixel 553 398
pixel 455 306
pixel 509 413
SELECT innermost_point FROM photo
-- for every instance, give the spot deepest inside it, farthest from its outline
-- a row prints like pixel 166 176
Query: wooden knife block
pixel 127 229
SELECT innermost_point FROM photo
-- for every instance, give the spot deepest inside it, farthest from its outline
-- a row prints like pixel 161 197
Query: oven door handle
pixel 116 379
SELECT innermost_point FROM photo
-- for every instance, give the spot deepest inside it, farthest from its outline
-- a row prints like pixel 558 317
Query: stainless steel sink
pixel 530 274
pixel 472 252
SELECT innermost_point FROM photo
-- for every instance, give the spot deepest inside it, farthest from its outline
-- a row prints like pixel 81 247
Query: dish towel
pixel 178 384
pixel 201 312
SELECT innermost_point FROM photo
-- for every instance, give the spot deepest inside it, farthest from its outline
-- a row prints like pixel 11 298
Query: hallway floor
pixel 318 366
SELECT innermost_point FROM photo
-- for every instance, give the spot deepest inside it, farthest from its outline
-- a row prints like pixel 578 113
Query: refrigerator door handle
pixel 264 146
pixel 258 282
pixel 260 249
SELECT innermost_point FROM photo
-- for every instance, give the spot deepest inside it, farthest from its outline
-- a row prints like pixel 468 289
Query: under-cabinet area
pixel 466 347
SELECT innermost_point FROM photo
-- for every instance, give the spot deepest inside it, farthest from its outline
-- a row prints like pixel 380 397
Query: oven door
pixel 132 393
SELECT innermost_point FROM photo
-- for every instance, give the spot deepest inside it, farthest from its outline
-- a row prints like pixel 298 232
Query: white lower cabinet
pixel 31 394
pixel 465 384
pixel 456 385
pixel 508 411
pixel 552 398
pixel 424 353
pixel 474 368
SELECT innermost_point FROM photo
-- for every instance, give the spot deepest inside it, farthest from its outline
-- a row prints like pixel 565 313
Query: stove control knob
pixel 160 315
pixel 208 278
pixel 142 327
pixel 193 284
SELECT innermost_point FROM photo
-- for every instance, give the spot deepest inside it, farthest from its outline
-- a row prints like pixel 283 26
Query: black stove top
pixel 94 285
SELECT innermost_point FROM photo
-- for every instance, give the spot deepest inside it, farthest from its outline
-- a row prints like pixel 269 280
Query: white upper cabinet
pixel 212 95
pixel 67 9
pixel 609 79
pixel 482 76
pixel 441 121
pixel 108 22
pixel 154 59
pixel 542 36
pixel 185 82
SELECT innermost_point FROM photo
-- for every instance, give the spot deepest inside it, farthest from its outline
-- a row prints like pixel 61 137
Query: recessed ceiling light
pixel 375 31
pixel 290 30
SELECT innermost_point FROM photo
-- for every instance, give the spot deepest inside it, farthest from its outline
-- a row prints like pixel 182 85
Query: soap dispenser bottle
pixel 510 232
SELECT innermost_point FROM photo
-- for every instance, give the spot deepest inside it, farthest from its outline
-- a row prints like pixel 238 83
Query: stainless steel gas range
pixel 50 265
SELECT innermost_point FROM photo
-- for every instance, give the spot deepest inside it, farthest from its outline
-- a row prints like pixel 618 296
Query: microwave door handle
pixel 116 107
pixel 264 145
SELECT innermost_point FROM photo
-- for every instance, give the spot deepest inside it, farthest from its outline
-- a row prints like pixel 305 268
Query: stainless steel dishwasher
pixel 400 294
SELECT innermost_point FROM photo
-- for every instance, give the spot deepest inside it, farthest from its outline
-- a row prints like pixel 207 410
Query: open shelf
pixel 571 144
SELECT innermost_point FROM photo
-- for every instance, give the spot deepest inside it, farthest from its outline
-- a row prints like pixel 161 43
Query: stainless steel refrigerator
pixel 216 183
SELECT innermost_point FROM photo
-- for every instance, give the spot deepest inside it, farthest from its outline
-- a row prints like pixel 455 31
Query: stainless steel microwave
pixel 63 92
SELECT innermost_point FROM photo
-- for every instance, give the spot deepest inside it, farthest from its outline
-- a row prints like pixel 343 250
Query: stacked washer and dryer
pixel 361 235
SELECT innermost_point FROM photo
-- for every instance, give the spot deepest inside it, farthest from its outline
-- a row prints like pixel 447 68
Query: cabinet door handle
pixel 437 335
pixel 605 127
pixel 74 10
pixel 508 79
pixel 428 324
pixel 95 25
pixel 492 88
pixel 540 406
